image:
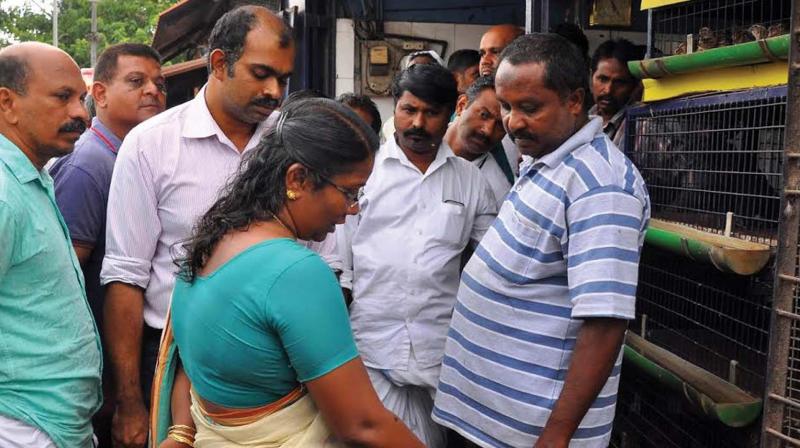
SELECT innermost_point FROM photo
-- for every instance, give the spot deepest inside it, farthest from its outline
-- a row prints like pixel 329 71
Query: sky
pixel 36 5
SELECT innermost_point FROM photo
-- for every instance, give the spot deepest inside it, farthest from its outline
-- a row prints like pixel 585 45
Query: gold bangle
pixel 190 432
pixel 183 434
pixel 184 427
pixel 181 439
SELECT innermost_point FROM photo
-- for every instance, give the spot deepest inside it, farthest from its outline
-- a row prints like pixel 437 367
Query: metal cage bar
pixel 716 23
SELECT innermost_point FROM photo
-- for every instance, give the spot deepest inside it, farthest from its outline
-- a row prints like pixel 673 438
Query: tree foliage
pixel 118 21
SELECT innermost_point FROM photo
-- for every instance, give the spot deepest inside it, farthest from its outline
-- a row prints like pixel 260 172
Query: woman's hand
pixel 169 443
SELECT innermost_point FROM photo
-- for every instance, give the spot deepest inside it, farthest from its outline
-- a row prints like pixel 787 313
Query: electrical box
pixel 380 61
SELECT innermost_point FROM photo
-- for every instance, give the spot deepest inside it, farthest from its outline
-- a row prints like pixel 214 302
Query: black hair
pixel 484 82
pixel 106 67
pixel 565 68
pixel 364 103
pixel 463 59
pixel 231 30
pixel 574 34
pixel 622 50
pixel 14 72
pixel 431 83
pixel 258 192
pixel 303 94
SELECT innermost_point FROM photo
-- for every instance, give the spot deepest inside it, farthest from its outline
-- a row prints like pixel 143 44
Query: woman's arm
pixel 354 413
pixel 180 402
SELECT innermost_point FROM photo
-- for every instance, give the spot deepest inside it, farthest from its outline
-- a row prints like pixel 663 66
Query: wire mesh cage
pixel 704 24
pixel 649 416
pixel 791 421
pixel 719 322
pixel 705 157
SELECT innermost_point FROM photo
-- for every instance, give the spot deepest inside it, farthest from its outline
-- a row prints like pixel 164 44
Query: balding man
pixel 168 172
pixel 50 363
pixel 493 41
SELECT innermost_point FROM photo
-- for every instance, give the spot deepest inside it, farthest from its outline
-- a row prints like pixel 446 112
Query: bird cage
pixel 713 165
pixel 705 24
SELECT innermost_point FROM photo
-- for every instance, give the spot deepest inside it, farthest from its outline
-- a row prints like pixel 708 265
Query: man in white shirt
pixel 421 207
pixel 168 172
pixel 476 130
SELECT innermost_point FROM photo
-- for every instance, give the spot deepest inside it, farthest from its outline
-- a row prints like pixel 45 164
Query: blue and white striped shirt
pixel 565 246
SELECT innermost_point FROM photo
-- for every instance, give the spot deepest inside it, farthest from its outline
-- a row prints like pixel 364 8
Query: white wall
pixel 457 37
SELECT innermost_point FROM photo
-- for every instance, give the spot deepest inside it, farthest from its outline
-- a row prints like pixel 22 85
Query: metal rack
pixel 715 163
pixel 717 23
pixel 649 416
pixel 706 156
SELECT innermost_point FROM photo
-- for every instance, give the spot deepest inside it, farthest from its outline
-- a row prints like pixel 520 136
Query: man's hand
pixel 596 349
pixel 129 426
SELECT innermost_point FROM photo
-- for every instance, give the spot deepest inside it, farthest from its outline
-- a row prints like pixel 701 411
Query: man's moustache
pixel 416 133
pixel 73 126
pixel 523 135
pixel 270 103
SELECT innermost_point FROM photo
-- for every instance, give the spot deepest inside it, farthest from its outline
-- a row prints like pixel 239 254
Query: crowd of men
pixel 490 294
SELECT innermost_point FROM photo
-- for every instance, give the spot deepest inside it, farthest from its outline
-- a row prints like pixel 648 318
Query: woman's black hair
pixel 325 136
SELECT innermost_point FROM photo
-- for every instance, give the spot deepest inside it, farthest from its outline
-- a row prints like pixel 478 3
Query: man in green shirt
pixel 50 357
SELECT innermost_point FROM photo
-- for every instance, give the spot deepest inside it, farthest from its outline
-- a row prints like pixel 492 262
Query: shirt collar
pixel 391 150
pixel 110 136
pixel 584 136
pixel 16 160
pixel 200 123
pixel 613 124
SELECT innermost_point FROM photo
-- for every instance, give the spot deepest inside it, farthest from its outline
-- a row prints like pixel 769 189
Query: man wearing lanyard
pixel 476 130
pixel 128 88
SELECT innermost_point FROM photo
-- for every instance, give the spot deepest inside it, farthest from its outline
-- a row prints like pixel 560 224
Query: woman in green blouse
pixel 259 350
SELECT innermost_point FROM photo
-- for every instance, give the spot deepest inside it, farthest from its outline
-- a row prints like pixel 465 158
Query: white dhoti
pixel 409 395
pixel 22 435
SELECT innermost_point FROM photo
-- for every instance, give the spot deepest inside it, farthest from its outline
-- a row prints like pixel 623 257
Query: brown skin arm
pixel 181 401
pixel 123 322
pixel 354 413
pixel 83 251
pixel 596 350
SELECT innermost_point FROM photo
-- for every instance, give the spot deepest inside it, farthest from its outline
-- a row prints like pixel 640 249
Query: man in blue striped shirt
pixel 534 348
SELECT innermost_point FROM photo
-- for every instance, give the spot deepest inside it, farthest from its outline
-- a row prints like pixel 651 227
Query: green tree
pixel 117 21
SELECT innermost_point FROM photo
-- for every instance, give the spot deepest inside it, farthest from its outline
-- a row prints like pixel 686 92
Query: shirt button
pixel 419 231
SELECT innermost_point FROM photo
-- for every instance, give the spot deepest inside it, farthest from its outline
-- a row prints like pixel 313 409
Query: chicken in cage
pixel 703 25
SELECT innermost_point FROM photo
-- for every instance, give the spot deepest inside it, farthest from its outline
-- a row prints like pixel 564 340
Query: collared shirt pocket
pixel 519 248
pixel 449 221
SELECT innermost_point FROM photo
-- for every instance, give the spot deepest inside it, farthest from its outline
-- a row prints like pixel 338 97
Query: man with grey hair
pixel 51 355
pixel 168 172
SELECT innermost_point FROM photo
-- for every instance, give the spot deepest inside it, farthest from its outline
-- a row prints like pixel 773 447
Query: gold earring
pixel 291 195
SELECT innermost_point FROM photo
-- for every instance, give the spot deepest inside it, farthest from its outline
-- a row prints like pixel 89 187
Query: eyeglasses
pixel 351 197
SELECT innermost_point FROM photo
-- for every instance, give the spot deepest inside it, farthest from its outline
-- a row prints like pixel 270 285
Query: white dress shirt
pixel 168 173
pixel 404 252
pixel 495 176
